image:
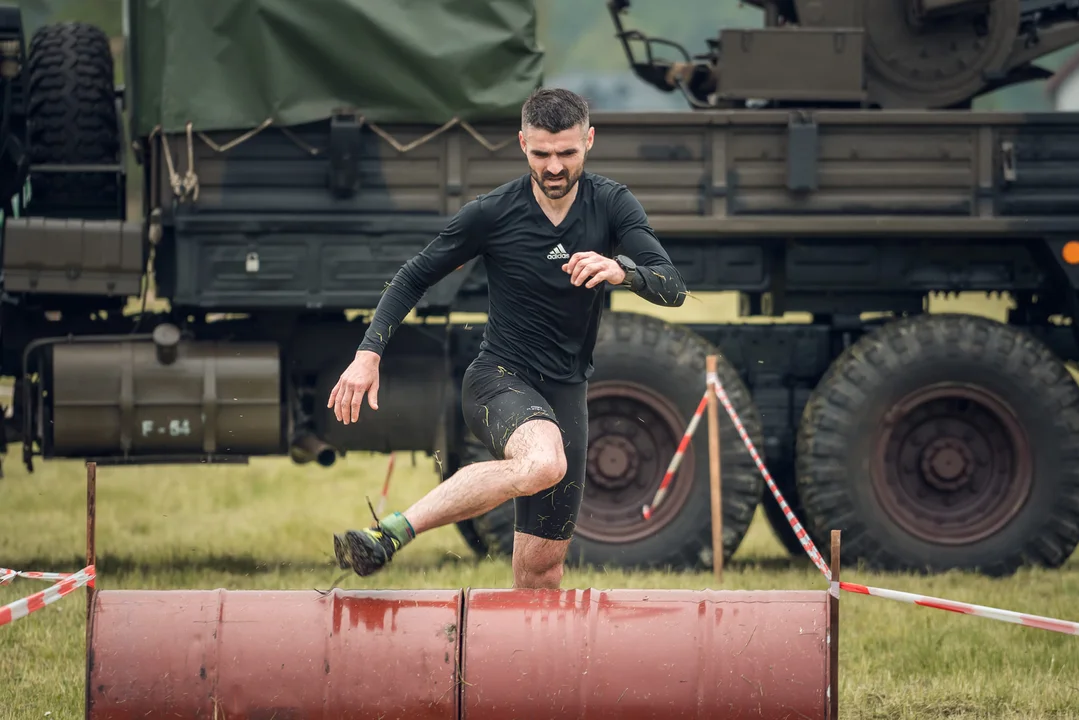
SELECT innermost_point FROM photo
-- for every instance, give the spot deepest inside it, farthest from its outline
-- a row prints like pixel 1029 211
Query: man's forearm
pixel 454 246
pixel 401 295
pixel 660 284
pixel 657 280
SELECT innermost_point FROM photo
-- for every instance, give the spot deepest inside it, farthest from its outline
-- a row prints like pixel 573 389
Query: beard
pixel 557 191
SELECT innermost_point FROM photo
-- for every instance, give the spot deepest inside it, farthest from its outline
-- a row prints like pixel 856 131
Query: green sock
pixel 398 526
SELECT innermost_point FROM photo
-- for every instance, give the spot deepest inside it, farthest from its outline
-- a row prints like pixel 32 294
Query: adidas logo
pixel 558 253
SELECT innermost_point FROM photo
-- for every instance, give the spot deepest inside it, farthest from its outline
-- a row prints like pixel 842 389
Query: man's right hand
pixel 359 377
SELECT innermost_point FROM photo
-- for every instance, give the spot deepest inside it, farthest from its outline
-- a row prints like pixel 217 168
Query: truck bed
pixel 739 176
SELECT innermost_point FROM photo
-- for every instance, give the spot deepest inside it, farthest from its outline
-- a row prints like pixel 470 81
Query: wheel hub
pixel 612 462
pixel 633 432
pixel 951 464
pixel 947 464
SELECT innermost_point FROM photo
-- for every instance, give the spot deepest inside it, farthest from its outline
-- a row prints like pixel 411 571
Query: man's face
pixel 556 160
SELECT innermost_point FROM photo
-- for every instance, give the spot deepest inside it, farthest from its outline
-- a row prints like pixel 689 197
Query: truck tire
pixel 941 442
pixel 71 108
pixel 648 380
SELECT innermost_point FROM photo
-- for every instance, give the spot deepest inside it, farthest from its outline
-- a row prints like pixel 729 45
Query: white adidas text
pixel 558 253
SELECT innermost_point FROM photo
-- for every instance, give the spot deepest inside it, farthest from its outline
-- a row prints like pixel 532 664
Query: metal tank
pixel 164 397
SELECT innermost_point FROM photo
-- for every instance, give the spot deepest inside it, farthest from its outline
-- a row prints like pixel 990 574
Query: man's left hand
pixel 585 265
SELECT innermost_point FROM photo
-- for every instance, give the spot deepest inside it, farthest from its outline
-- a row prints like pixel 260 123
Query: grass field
pixel 268 525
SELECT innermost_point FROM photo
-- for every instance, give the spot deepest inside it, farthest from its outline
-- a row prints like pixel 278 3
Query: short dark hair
pixel 554 110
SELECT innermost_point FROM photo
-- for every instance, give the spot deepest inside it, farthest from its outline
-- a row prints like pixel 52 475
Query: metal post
pixel 91 559
pixel 833 630
pixel 91 529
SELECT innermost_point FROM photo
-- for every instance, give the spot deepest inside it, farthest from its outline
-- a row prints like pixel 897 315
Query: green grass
pixel 268 525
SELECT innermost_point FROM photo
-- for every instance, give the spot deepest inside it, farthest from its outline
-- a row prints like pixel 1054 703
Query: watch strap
pixel 630 281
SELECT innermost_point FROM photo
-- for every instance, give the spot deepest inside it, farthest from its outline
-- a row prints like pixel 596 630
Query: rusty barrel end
pixel 646 653
pixel 288 654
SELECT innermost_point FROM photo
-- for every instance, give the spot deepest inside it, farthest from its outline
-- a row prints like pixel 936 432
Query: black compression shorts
pixel 496 400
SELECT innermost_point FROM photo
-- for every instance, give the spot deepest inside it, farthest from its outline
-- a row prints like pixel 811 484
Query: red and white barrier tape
pixel 672 468
pixel 22 608
pixel 7 575
pixel 1036 621
pixel 803 537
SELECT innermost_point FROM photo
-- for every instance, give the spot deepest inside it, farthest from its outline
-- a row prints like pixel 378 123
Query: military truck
pixel 294 156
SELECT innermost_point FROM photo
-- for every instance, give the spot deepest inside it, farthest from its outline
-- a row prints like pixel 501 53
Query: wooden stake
pixel 714 471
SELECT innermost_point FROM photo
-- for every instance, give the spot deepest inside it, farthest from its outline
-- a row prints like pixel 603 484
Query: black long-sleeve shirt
pixel 537 318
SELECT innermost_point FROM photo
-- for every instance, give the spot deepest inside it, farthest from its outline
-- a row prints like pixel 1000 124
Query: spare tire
pixel 649 378
pixel 944 442
pixel 72 118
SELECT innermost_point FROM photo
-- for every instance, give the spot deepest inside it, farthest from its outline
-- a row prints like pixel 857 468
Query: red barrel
pixel 631 654
pixel 252 655
pixel 586 654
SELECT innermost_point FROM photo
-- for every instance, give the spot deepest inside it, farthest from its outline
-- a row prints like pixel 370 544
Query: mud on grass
pixel 270 525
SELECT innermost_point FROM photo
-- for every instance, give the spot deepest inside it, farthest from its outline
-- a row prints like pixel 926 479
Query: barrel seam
pixel 459 674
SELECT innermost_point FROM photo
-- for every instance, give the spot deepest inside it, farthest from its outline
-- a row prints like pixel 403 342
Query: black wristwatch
pixel 630 268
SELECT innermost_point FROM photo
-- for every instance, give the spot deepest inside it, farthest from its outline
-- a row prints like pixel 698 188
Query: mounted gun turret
pixel 884 54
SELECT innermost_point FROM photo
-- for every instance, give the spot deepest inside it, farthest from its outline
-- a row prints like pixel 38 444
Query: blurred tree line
pixel 582 51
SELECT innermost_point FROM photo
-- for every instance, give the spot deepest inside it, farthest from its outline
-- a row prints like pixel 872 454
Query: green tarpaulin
pixel 232 64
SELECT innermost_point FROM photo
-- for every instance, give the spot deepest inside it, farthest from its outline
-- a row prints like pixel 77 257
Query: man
pixel 547 240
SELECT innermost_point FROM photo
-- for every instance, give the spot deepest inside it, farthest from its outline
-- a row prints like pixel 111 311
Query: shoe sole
pixel 340 551
pixel 352 554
